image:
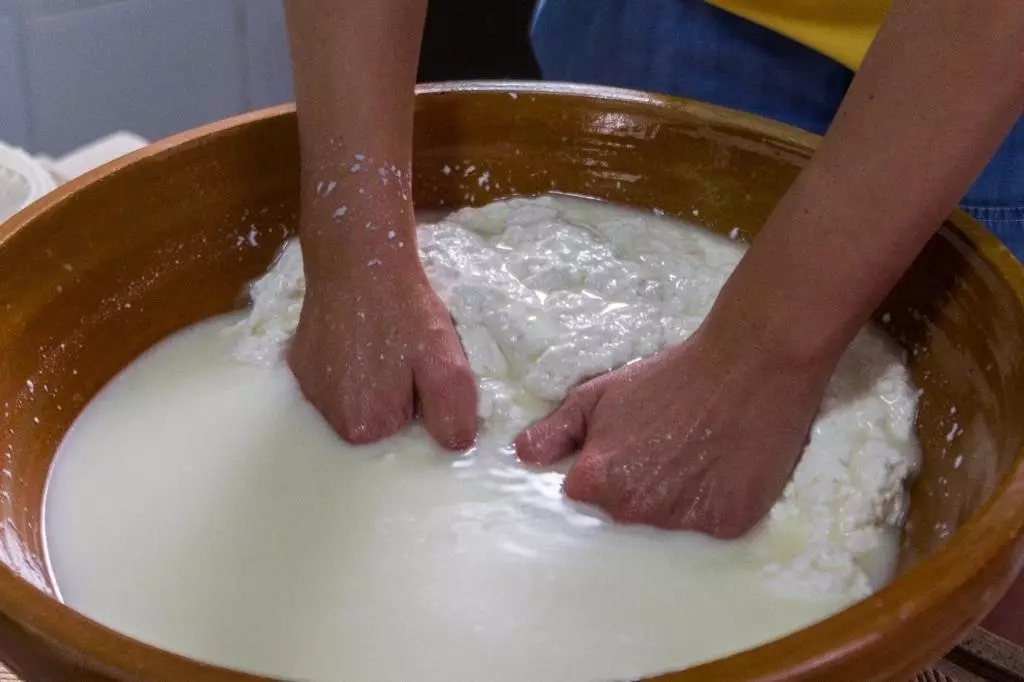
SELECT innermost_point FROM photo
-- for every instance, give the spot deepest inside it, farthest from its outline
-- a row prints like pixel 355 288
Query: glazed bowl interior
pixel 101 270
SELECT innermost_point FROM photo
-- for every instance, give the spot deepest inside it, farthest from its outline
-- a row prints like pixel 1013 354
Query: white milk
pixel 200 505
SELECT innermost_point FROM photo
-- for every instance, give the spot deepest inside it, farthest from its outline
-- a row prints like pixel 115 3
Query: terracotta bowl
pixel 100 270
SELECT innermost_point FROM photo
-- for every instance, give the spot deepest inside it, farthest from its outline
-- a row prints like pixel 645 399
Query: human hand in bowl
pixel 375 344
pixel 374 341
pixel 700 437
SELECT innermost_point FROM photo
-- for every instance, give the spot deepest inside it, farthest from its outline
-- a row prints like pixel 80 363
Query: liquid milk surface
pixel 200 505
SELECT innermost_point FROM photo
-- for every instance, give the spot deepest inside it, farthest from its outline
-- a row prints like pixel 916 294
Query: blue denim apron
pixel 691 49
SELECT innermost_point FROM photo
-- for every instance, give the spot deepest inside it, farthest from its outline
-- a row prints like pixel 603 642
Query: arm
pixel 938 92
pixel 373 338
pixel 719 422
pixel 355 71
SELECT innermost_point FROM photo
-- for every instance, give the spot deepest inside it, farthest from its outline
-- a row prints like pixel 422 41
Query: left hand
pixel 699 437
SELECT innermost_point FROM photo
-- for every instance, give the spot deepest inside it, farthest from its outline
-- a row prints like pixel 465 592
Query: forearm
pixel 355 68
pixel 938 92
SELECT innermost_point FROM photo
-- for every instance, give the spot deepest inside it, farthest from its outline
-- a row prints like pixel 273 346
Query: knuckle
pixel 583 483
pixel 627 514
pixel 458 439
pixel 730 522
pixel 729 530
pixel 633 508
pixel 575 487
pixel 460 378
pixel 361 423
pixel 359 434
pixel 528 445
pixel 575 397
pixel 455 428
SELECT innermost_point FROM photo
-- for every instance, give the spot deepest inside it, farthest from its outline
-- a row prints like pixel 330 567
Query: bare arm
pixel 374 342
pixel 718 423
pixel 938 92
pixel 355 72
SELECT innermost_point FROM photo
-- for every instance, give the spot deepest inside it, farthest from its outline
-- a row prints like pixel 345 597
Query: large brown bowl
pixel 97 272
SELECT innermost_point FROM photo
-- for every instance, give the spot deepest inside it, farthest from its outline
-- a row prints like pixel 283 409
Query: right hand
pixel 715 427
pixel 376 347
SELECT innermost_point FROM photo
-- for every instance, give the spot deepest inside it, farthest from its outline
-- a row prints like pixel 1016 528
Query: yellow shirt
pixel 840 29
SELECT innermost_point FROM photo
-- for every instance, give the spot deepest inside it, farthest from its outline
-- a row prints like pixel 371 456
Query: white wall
pixel 73 70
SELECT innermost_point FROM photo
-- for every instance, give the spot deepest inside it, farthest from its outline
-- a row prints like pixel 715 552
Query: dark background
pixel 467 39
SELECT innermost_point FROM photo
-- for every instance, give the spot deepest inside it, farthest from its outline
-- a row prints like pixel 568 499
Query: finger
pixel 727 515
pixel 667 490
pixel 372 399
pixel 622 486
pixel 446 391
pixel 690 509
pixel 367 416
pixel 561 433
pixel 588 481
pixel 365 430
pixel 358 416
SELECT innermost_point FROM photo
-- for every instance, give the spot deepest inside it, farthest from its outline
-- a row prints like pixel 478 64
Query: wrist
pixel 348 234
pixel 761 323
pixel 330 267
pixel 809 282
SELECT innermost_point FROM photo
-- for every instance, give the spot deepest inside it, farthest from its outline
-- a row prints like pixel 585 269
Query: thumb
pixel 561 433
pixel 446 390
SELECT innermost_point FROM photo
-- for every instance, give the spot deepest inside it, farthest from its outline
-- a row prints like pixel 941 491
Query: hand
pixel 369 350
pixel 700 437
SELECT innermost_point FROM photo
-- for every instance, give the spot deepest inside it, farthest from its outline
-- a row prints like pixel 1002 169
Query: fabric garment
pixel 840 29
pixel 693 49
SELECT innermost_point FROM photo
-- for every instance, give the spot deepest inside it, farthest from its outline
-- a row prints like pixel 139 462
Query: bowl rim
pixel 990 531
